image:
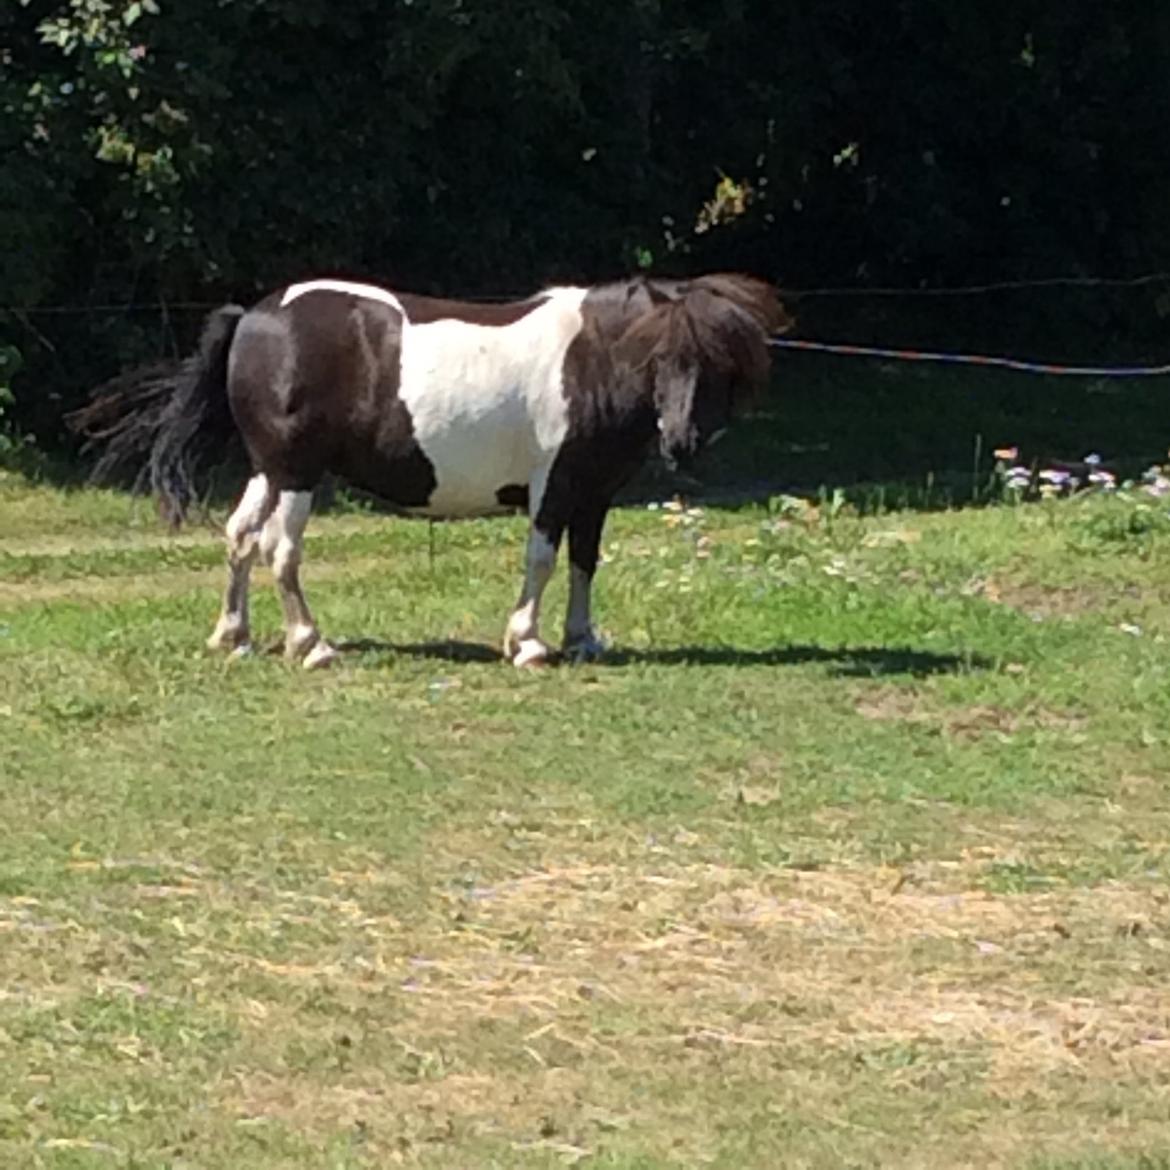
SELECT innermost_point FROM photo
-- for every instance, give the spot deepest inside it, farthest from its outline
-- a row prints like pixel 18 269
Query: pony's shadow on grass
pixel 447 650
pixel 845 661
pixel 850 661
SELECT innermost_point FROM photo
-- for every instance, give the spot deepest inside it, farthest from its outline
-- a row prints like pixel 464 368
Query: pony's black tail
pixel 161 423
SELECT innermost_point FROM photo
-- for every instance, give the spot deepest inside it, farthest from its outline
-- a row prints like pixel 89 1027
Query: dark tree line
pixel 156 155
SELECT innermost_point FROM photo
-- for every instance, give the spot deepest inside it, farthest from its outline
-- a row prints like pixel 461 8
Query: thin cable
pixel 81 310
pixel 972 359
pixel 795 293
pixel 979 289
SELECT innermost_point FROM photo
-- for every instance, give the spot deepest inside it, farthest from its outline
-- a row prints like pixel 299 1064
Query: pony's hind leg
pixel 282 544
pixel 242 531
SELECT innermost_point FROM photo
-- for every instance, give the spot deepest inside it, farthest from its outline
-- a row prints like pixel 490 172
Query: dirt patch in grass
pixel 1060 601
pixel 964 722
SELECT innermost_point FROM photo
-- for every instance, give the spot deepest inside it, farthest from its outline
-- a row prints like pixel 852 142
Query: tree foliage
pixel 157 153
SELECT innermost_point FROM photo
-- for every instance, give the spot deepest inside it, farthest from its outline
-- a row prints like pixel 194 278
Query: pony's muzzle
pixel 677 456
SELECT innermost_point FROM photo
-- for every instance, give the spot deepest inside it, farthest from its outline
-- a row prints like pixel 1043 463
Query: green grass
pixel 854 852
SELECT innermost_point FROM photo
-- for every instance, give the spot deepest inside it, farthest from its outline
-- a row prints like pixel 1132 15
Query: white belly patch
pixel 488 402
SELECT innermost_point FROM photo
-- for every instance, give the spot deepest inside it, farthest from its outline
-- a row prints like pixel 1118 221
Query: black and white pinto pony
pixel 444 409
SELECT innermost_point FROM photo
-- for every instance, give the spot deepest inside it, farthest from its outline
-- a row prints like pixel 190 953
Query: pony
pixel 443 409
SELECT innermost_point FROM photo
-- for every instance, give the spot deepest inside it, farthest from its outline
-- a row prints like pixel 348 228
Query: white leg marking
pixel 270 538
pixel 321 655
pixel 252 510
pixel 577 621
pixel 537 483
pixel 530 652
pixel 522 643
pixel 581 641
pixel 288 528
pixel 242 529
pixel 285 541
pixel 231 632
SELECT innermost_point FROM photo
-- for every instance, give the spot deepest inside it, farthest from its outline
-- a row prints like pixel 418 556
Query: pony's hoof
pixel 321 655
pixel 229 637
pixel 531 654
pixel 243 650
pixel 587 648
pixel 300 642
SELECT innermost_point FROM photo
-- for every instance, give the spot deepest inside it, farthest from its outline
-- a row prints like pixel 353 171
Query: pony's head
pixel 704 352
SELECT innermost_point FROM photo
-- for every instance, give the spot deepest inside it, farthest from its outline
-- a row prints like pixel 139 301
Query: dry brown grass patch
pixel 582 973
pixel 1051 600
pixel 714 940
pixel 517 1009
pixel 969 722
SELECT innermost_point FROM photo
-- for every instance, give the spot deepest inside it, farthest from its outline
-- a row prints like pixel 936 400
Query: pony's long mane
pixel 720 322
pixel 755 297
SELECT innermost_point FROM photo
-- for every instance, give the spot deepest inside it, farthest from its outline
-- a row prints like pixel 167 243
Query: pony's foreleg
pixel 581 641
pixel 242 531
pixel 282 544
pixel 522 644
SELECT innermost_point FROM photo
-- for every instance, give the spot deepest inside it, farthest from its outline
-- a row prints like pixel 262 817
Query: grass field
pixel 853 853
